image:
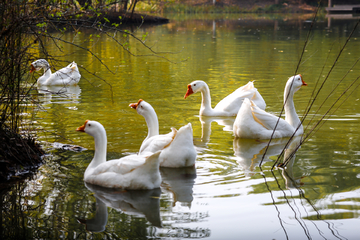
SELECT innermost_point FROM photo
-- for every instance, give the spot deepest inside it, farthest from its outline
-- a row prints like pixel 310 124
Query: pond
pixel 226 195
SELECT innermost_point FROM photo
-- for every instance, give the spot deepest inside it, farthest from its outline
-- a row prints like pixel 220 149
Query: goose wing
pixel 233 101
pixel 120 166
pixel 268 120
pixel 157 142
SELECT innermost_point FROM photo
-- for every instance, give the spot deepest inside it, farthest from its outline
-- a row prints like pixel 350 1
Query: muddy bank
pixel 19 155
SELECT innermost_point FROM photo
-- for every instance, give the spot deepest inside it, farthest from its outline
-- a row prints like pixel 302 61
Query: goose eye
pixel 194 84
pixel 89 125
pixel 141 106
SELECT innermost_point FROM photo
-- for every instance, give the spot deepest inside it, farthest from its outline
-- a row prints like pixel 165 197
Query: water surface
pixel 226 195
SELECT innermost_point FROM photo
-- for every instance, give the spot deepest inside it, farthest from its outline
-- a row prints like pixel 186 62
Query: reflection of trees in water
pixel 13 215
pixel 49 200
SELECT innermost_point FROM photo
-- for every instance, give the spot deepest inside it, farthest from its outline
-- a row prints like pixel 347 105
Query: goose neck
pixel 47 69
pixel 152 123
pixel 290 113
pixel 205 98
pixel 100 149
pixel 45 76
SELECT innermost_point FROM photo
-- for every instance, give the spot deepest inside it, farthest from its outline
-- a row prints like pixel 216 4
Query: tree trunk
pixel 133 8
pixel 125 6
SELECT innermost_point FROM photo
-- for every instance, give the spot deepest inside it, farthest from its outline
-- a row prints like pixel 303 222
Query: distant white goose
pixel 130 172
pixel 177 146
pixel 253 122
pixel 230 105
pixel 68 75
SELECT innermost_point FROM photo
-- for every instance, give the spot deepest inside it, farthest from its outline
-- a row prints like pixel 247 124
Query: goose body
pixel 253 122
pixel 68 75
pixel 130 172
pixel 230 105
pixel 177 147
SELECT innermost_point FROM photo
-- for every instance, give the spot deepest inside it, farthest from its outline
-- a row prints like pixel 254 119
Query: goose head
pixel 39 64
pixel 294 83
pixel 195 87
pixel 143 108
pixel 92 128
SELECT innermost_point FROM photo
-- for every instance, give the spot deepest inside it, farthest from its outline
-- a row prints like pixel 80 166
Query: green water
pixel 226 195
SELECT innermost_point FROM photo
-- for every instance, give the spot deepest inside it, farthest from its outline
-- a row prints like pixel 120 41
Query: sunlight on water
pixel 226 195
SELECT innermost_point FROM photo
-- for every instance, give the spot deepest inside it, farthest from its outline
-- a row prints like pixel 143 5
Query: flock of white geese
pixel 176 149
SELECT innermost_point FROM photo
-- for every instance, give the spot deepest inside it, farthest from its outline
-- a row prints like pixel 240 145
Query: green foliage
pixel 40 25
pixel 144 36
pixel 205 8
pixel 274 8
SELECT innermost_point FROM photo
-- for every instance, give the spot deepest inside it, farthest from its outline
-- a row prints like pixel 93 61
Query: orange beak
pixel 189 91
pixel 135 105
pixel 32 68
pixel 82 128
pixel 304 83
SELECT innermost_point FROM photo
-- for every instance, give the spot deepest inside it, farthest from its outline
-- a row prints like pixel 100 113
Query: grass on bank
pixel 175 7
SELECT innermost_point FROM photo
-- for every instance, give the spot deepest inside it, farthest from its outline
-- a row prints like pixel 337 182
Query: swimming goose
pixel 68 75
pixel 177 146
pixel 130 172
pixel 253 122
pixel 230 105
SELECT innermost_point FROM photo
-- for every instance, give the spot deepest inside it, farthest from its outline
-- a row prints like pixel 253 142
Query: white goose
pixel 230 105
pixel 177 146
pixel 68 75
pixel 253 122
pixel 130 172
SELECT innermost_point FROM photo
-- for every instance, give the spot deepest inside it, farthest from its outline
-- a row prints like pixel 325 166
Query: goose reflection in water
pixel 289 159
pixel 180 182
pixel 139 203
pixel 250 152
pixel 59 94
pixel 227 122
